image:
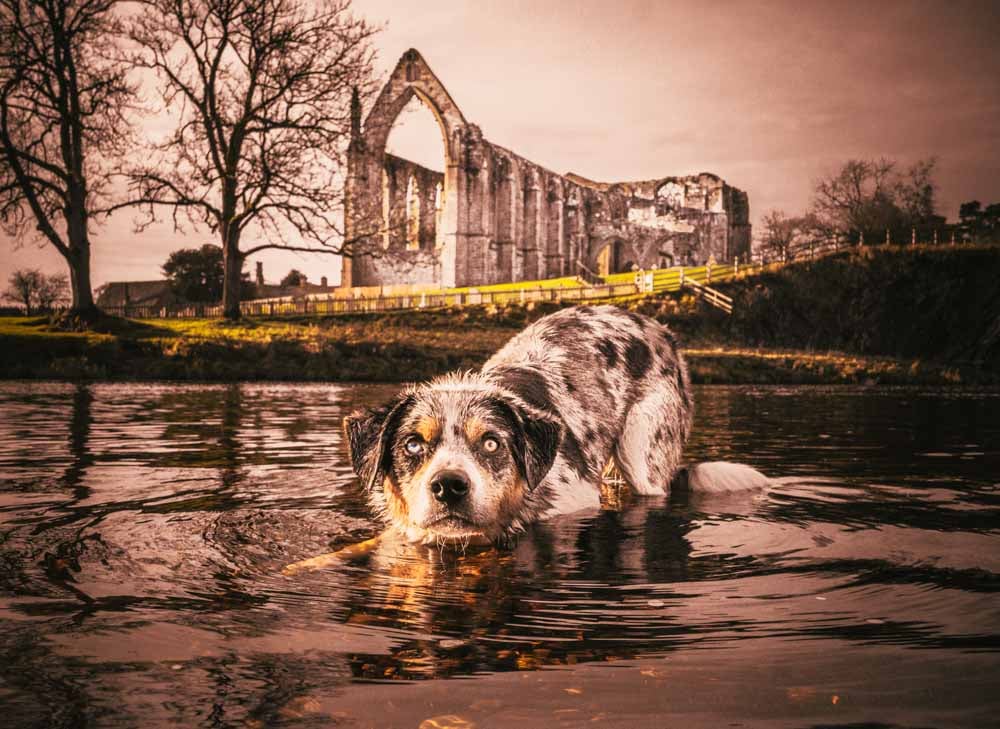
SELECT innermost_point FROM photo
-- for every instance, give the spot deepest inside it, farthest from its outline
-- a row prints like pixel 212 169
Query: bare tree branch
pixel 63 124
pixel 870 197
pixel 266 88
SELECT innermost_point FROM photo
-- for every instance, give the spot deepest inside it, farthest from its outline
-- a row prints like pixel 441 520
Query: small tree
pixel 195 274
pixel 785 236
pixel 779 233
pixel 35 291
pixel 22 286
pixel 62 125
pixel 294 277
pixel 54 291
pixel 262 91
pixel 871 197
pixel 979 224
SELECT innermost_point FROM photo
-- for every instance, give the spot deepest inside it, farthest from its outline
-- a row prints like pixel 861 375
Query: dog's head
pixel 457 459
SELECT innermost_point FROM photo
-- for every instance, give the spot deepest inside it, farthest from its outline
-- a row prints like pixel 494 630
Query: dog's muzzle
pixel 450 487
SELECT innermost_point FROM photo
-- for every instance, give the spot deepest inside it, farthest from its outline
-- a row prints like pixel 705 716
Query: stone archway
pixel 368 220
pixel 613 256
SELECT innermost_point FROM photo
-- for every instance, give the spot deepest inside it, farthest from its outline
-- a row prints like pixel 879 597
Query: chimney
pixel 322 282
pixel 260 273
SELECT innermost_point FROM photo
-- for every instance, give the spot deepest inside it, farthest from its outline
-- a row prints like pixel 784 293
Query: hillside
pixel 931 303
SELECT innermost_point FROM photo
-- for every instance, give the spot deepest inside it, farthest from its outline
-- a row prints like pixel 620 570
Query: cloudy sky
pixel 768 95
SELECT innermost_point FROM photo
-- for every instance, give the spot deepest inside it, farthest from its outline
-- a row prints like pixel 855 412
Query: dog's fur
pixel 533 431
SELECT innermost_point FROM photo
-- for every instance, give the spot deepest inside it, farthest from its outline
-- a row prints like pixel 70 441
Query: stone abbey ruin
pixel 494 217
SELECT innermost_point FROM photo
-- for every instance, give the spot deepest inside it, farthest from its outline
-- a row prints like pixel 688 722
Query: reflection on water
pixel 143 528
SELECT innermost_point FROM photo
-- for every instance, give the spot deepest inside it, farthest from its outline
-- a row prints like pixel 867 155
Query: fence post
pixel 887 240
pixel 522 294
pixel 681 284
pixel 935 236
pixel 736 265
pixel 913 236
pixel 708 272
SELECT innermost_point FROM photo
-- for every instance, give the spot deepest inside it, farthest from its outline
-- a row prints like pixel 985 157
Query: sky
pixel 768 95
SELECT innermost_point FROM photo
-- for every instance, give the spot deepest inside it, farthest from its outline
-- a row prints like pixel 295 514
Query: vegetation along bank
pixel 894 316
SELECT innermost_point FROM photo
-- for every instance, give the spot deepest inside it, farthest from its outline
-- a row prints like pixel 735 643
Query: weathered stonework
pixel 495 217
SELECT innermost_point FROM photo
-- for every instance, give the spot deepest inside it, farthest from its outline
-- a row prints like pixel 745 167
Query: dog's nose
pixel 450 487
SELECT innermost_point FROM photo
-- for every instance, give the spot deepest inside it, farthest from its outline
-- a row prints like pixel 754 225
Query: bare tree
pixel 21 288
pixel 787 237
pixel 857 198
pixel 53 292
pixel 873 196
pixel 916 191
pixel 779 233
pixel 35 291
pixel 262 92
pixel 63 108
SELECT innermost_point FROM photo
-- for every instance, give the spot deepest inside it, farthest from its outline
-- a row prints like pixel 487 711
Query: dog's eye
pixel 414 446
pixel 491 444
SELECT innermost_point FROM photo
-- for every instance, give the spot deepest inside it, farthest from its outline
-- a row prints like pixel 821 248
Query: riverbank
pixel 927 316
pixel 392 347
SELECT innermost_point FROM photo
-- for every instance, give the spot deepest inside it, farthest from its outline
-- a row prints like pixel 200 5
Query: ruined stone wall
pixel 405 186
pixel 500 217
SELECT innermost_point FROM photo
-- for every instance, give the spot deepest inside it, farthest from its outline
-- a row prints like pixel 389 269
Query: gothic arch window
pixel 412 214
pixel 386 209
pixel 438 213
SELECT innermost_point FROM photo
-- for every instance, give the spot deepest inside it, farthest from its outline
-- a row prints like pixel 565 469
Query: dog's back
pixel 482 454
pixel 619 385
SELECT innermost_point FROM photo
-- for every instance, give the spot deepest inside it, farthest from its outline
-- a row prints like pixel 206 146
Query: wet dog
pixel 478 456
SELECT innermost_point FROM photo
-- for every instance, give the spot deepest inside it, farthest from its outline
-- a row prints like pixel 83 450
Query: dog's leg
pixel 649 451
pixel 573 494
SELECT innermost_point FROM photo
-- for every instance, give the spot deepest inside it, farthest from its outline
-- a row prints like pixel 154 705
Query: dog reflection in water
pixel 475 457
pixel 537 603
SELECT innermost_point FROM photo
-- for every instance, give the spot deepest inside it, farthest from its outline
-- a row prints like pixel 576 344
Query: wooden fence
pixel 616 286
pixel 698 279
pixel 327 304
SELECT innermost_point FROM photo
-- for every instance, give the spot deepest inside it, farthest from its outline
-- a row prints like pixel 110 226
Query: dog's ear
pixel 536 439
pixel 541 439
pixel 369 436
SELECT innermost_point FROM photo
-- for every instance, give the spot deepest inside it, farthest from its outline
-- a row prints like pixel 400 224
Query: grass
pixel 897 316
pixel 391 347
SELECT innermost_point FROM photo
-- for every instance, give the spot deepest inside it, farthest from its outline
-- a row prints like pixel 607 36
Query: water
pixel 143 529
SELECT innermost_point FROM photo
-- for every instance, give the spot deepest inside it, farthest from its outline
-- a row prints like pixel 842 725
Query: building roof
pixel 136 293
pixel 159 293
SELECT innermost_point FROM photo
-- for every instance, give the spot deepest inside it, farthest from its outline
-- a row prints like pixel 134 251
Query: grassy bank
pixel 896 316
pixel 335 348
pixel 397 346
pixel 939 304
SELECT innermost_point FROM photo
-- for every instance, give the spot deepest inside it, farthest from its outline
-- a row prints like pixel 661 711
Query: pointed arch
pixel 412 77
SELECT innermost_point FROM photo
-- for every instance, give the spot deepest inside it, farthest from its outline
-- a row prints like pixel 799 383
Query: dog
pixel 477 456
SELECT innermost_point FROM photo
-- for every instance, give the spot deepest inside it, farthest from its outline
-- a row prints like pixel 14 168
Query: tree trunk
pixel 78 259
pixel 78 248
pixel 79 276
pixel 232 258
pixel 232 277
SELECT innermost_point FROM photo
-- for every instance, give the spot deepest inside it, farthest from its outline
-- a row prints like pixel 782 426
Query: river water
pixel 143 529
